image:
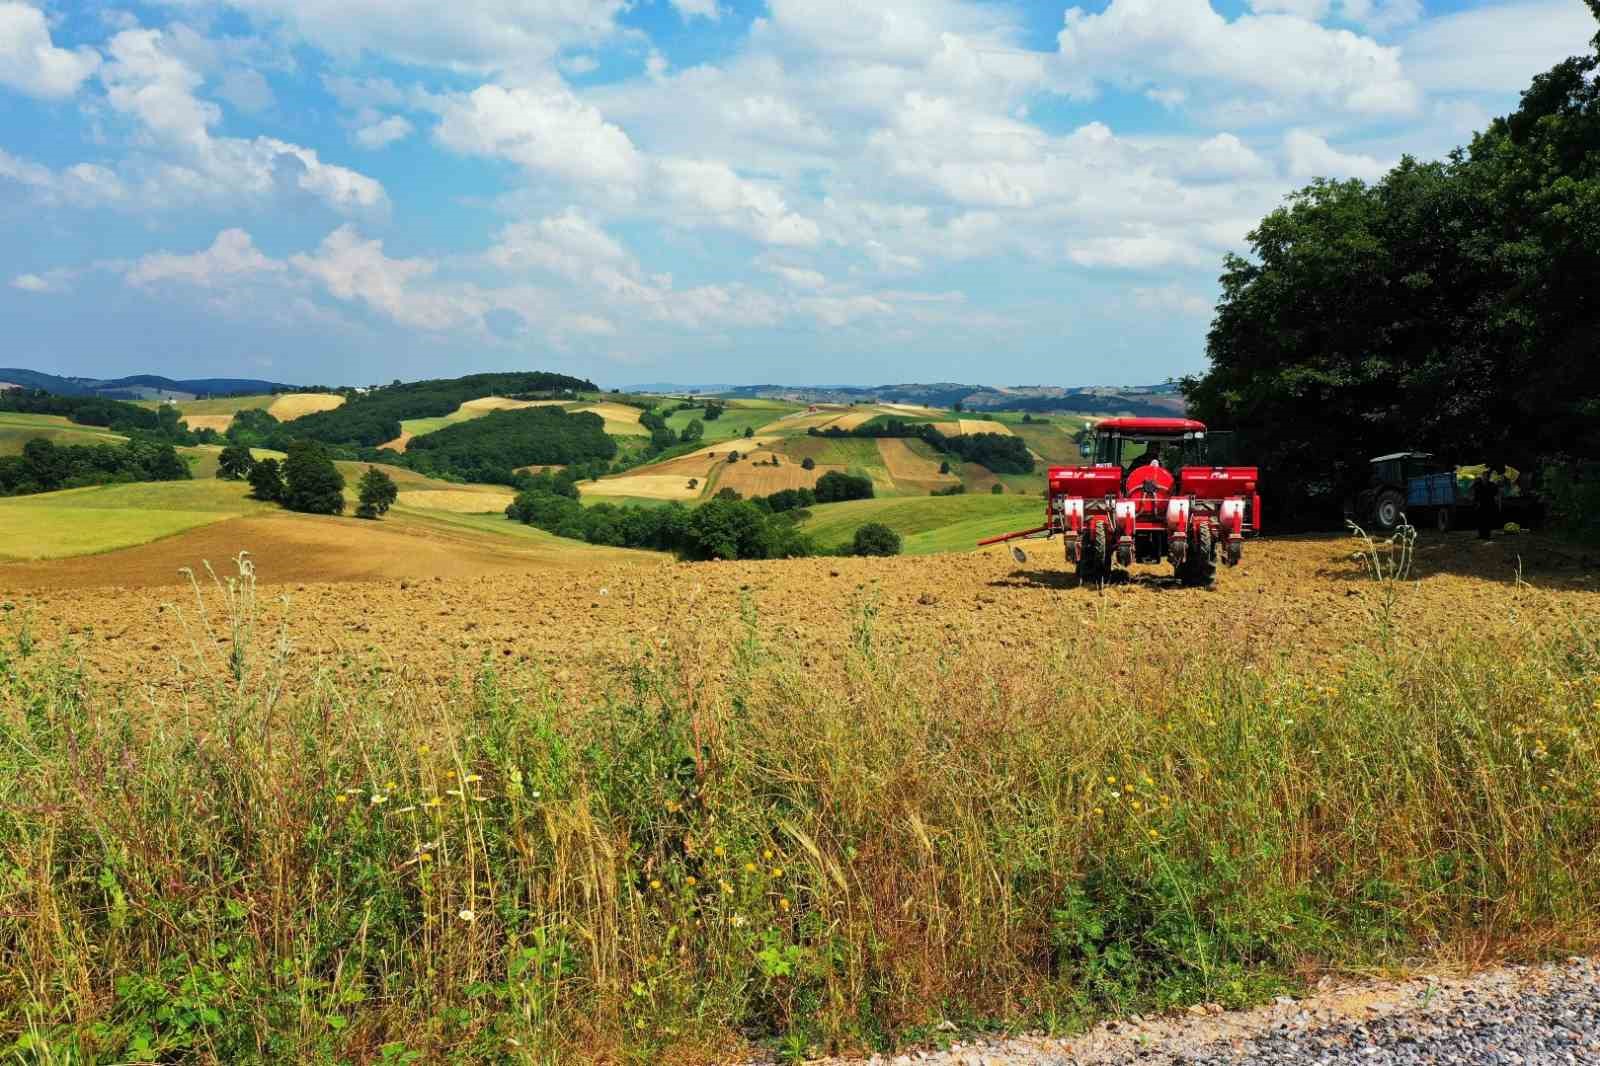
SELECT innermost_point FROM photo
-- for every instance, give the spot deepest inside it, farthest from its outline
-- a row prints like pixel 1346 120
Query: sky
pixel 794 191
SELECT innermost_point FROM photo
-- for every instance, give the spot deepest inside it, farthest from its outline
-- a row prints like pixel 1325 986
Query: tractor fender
pixel 1231 518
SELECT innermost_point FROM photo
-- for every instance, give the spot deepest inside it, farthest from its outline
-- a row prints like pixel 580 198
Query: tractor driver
pixel 1152 454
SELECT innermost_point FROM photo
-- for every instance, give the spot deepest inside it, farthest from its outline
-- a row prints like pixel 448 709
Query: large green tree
pixel 1451 306
pixel 311 482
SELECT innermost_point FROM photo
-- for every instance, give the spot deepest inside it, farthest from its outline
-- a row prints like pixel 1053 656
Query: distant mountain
pixel 139 386
pixel 1156 400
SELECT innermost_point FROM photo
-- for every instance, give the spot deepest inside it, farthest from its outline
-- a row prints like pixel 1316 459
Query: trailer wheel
pixel 1387 509
pixel 1445 519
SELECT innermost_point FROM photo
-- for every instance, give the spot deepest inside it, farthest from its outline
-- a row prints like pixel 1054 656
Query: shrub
pixel 875 538
pixel 808 463
pixel 997 489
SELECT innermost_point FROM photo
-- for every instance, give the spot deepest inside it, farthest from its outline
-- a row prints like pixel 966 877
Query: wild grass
pixel 740 845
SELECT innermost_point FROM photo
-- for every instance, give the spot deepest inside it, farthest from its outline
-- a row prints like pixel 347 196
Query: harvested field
pixel 912 464
pixel 621 420
pixel 973 426
pixel 754 479
pixel 400 443
pixel 485 404
pixel 458 501
pixel 220 423
pixel 298 405
pixel 914 409
pixel 852 419
pixel 646 486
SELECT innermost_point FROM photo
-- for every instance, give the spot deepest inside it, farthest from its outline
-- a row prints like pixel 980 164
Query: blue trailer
pixel 1428 493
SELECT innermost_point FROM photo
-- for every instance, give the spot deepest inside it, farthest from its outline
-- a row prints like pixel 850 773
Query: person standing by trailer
pixel 1486 501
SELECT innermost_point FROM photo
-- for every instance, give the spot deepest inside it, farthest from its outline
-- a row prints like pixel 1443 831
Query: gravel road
pixel 1516 1015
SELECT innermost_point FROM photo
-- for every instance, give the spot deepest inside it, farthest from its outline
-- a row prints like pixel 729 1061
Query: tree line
pixel 1000 452
pixel 1452 306
pixel 163 423
pixel 44 466
pixel 307 480
pixel 724 527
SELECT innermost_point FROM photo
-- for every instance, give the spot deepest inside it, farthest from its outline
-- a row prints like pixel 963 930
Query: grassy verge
pixel 754 847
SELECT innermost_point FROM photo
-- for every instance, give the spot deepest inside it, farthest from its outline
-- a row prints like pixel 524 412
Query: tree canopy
pixel 1453 306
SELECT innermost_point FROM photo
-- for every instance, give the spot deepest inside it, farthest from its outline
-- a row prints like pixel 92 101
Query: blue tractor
pixel 1426 492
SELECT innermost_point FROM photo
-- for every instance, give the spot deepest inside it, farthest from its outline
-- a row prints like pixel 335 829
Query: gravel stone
pixel 1545 1015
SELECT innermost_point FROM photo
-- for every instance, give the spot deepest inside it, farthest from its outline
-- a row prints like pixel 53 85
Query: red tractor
pixel 1149 492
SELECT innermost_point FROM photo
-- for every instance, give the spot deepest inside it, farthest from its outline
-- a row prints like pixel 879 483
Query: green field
pixel 735 419
pixel 54 525
pixel 226 405
pixel 17 430
pixel 928 524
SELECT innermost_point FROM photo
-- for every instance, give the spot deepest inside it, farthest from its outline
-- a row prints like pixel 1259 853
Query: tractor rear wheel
pixel 1200 568
pixel 1096 560
pixel 1387 510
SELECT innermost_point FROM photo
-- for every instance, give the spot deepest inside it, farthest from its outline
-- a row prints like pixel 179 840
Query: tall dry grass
pixel 752 847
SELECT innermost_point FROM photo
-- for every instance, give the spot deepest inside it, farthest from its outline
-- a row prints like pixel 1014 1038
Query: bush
pixel 835 487
pixel 997 489
pixel 808 463
pixel 875 538
pixel 312 483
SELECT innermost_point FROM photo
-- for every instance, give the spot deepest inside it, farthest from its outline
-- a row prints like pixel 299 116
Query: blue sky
pixel 321 191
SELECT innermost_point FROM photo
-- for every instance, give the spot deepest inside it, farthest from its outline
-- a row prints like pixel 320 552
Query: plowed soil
pixel 436 608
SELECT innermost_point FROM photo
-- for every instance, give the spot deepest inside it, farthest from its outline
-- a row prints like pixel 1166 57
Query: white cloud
pixel 688 9
pixel 1171 299
pixel 146 80
pixel 568 245
pixel 384 132
pixel 547 131
pixel 1222 156
pixel 797 277
pixel 246 90
pixel 1310 156
pixel 232 257
pixel 472 35
pixel 81 185
pixel 707 191
pixel 31 63
pixel 30 283
pixel 355 269
pixel 1291 58
pixel 1148 251
pixel 1497 48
